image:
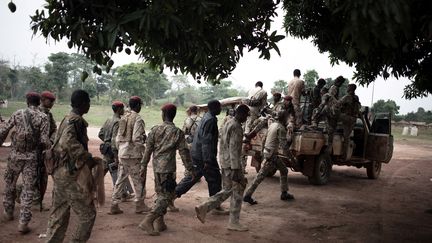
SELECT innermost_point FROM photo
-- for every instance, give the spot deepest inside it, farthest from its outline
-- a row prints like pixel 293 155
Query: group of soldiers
pixel 206 151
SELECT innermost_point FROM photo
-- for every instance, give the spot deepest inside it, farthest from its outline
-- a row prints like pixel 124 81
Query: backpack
pixel 26 140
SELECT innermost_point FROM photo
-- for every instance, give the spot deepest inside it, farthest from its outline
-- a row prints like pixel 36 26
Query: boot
pixel 7 216
pixel 115 209
pixel 159 224
pixel 141 207
pixel 23 228
pixel 234 224
pixel 220 211
pixel 285 196
pixel 127 197
pixel 172 208
pixel 147 224
pixel 201 212
pixel 249 200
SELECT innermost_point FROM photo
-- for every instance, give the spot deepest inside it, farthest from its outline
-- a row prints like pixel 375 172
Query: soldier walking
pixel 275 141
pixel 108 148
pixel 234 181
pixel 130 142
pixel 163 141
pixel 31 131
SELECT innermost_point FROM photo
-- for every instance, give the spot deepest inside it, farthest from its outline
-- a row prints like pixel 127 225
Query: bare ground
pixel 351 208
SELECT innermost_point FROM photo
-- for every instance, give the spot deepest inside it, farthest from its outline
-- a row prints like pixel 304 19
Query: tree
pixel 280 86
pixel 377 37
pixel 223 90
pixel 35 79
pixel 386 106
pixel 310 78
pixel 204 38
pixel 140 79
pixel 57 70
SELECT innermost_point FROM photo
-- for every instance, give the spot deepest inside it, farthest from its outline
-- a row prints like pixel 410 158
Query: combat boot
pixel 201 212
pixel 7 216
pixel 172 208
pixel 285 196
pixel 141 207
pixel 234 224
pixel 115 209
pixel 147 224
pixel 23 228
pixel 220 211
pixel 159 224
pixel 249 200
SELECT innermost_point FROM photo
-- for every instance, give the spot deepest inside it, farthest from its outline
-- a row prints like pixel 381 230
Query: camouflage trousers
pixel 16 166
pixel 129 167
pixel 165 193
pixel 270 165
pixel 298 114
pixel 250 122
pixel 67 194
pixel 229 189
pixel 348 123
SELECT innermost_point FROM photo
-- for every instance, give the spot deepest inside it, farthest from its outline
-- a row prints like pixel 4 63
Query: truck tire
pixel 322 170
pixel 373 169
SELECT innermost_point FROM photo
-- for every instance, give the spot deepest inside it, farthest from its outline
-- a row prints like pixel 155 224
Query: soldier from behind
pixel 257 100
pixel 349 107
pixel 296 87
pixel 234 181
pixel 108 148
pixel 73 180
pixel 334 89
pixel 191 124
pixel 316 95
pixel 275 142
pixel 130 142
pixel 163 142
pixel 31 134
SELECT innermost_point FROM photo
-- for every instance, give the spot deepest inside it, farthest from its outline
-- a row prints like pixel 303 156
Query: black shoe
pixel 249 200
pixel 285 196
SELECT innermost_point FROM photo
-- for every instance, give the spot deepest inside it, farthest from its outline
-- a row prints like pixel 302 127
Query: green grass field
pixel 424 135
pixel 99 113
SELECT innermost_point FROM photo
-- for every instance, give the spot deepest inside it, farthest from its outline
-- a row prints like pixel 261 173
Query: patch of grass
pixel 99 113
pixel 424 135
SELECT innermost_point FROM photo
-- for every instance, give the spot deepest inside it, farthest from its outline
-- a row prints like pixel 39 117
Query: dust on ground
pixel 351 208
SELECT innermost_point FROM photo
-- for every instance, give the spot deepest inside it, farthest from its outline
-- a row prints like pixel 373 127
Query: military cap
pixel 136 98
pixel 32 94
pixel 288 98
pixel 48 95
pixel 117 104
pixel 169 107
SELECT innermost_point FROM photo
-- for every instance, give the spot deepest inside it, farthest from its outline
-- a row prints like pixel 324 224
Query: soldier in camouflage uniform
pixel 257 100
pixel 108 148
pixel 130 142
pixel 334 89
pixel 296 88
pixel 71 144
pixel 31 132
pixel 275 142
pixel 234 181
pixel 191 124
pixel 349 106
pixel 163 141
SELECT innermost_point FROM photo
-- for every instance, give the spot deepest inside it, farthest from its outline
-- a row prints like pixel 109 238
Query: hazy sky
pixel 18 46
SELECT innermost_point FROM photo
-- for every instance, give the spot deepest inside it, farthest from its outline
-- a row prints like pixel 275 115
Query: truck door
pixel 379 146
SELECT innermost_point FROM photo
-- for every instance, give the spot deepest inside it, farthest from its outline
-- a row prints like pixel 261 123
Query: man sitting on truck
pixel 275 142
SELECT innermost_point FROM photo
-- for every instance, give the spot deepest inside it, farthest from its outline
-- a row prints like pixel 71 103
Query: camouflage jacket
pixel 334 91
pixel 230 145
pixel 31 132
pixel 131 136
pixel 191 124
pixel 163 141
pixel 276 140
pixel 51 121
pixel 258 100
pixel 109 131
pixel 349 105
pixel 72 142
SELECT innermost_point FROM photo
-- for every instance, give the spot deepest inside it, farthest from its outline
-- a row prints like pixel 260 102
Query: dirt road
pixel 351 208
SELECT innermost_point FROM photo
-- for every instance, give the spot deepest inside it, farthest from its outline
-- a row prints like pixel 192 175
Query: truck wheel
pixel 322 170
pixel 373 169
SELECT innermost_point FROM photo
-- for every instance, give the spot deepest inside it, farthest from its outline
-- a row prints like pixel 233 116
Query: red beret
pixel 288 98
pixel 169 107
pixel 118 104
pixel 32 94
pixel 136 98
pixel 48 95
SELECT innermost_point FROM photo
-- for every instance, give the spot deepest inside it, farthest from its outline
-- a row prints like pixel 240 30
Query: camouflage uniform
pixel 349 106
pixel 275 141
pixel 257 101
pixel 230 151
pixel 162 142
pixel 68 193
pixel 328 109
pixel 295 90
pixel 108 134
pixel 334 91
pixel 189 128
pixel 31 134
pixel 130 141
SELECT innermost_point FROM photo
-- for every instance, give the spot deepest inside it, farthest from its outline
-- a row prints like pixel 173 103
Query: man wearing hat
pixel 108 148
pixel 130 143
pixel 163 142
pixel 31 131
